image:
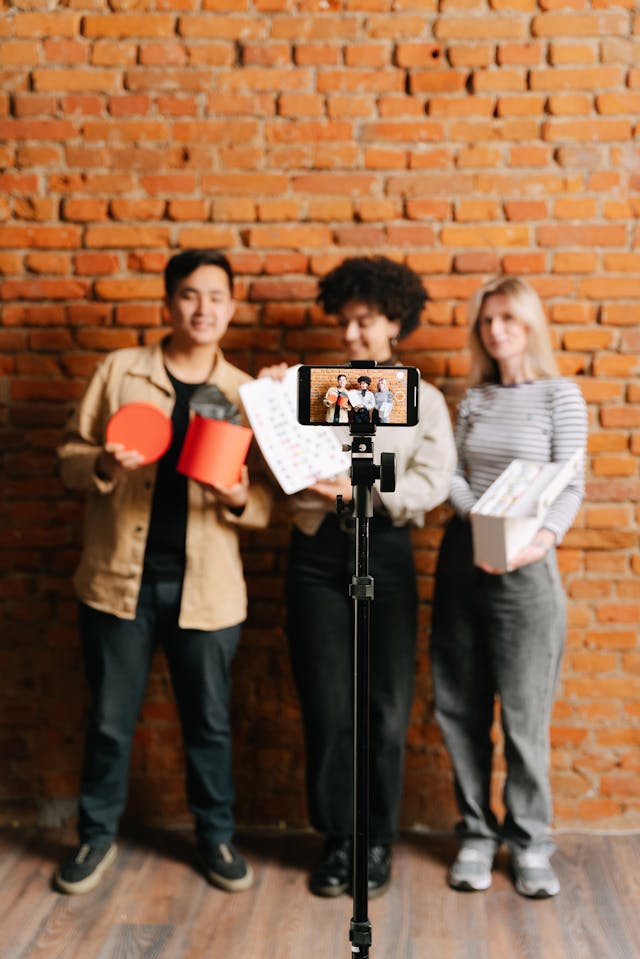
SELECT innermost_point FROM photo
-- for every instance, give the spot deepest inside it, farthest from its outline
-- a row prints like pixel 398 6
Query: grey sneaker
pixel 225 868
pixel 82 871
pixel 471 872
pixel 534 875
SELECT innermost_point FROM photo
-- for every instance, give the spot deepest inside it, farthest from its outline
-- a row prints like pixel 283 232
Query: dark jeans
pixel 321 633
pixel 118 655
pixel 497 635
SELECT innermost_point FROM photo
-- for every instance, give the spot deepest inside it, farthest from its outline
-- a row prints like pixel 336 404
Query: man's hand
pixel 114 458
pixel 236 496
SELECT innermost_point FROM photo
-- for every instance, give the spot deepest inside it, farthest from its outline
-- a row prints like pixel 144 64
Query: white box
pixel 509 514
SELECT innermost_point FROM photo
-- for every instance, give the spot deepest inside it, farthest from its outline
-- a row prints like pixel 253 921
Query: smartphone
pixel 345 395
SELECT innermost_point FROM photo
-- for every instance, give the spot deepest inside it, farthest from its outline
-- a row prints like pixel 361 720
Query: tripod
pixel 363 475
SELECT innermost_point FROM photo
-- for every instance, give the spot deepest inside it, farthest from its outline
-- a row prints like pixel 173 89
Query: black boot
pixel 332 875
pixel 379 870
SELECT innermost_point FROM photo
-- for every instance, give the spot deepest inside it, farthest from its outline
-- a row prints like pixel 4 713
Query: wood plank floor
pixel 154 904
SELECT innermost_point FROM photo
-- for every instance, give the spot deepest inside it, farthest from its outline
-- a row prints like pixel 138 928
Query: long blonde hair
pixel 526 307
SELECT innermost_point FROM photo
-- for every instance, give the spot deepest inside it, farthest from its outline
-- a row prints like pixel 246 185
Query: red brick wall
pixel 463 136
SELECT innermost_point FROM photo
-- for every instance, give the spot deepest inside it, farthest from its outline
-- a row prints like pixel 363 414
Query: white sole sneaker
pixel 471 871
pixel 534 875
pixel 92 880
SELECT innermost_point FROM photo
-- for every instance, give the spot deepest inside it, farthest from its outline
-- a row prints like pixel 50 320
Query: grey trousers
pixel 497 635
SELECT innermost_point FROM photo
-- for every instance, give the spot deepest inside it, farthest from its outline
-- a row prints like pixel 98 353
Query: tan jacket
pixel 118 512
pixel 425 463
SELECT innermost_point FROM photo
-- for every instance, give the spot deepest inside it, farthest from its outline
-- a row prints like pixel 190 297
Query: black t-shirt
pixel 165 555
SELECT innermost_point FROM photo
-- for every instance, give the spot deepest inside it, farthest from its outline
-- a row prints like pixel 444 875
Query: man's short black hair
pixel 393 289
pixel 183 264
pixel 365 379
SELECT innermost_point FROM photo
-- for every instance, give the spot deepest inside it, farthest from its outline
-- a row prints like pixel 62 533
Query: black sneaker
pixel 332 876
pixel 225 868
pixel 83 871
pixel 379 877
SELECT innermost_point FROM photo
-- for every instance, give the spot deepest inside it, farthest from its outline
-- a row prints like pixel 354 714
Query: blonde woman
pixel 502 634
pixel 384 403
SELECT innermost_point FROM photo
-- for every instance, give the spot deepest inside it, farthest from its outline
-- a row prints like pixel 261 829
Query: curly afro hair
pixel 388 287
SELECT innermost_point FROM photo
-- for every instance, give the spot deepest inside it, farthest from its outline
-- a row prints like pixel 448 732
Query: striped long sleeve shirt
pixel 544 420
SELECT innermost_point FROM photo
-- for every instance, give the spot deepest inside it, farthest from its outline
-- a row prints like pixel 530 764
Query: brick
pixel 138 315
pixel 561 54
pixel 126 236
pixel 419 55
pixel 426 209
pixel 145 209
pixel 400 26
pixel 614 466
pixel 565 235
pixel 476 263
pixel 328 208
pixel 489 235
pixel 124 25
pixel 75 79
pixel 312 236
pixel 524 105
pixel 41 24
pixel 266 54
pixel 609 287
pixel 618 103
pixel 624 367
pixel 110 53
pixel 273 209
pixel 579 25
pixel 570 104
pixel 499 80
pixel 525 210
pixel 41 237
pixel 81 209
pixel 385 159
pixel 216 27
pixel 301 104
pixel 575 261
pixel 267 79
pixel 130 288
pixel 523 263
pixel 187 210
pixel 92 264
pixel 36 208
pixel 602 130
pixel 48 262
pixel 479 28
pixel 473 210
pixel 368 55
pixel 317 54
pixel 36 129
pixel 177 106
pixel 17 53
pixel 470 55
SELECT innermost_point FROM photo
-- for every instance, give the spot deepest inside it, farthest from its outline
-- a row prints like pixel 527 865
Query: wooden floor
pixel 154 904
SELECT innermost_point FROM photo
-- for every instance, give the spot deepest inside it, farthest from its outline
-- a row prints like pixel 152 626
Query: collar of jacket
pixel 150 365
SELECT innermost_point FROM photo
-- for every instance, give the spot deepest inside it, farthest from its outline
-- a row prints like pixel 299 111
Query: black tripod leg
pixel 362 593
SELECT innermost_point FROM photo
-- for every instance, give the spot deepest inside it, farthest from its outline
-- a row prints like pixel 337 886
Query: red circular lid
pixel 142 427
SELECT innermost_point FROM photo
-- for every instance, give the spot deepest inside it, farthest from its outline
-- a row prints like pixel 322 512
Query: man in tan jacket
pixel 160 564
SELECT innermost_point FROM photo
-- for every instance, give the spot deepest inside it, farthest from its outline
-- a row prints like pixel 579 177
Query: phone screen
pixel 342 395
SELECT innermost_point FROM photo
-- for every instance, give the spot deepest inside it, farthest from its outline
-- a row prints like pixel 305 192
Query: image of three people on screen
pixel 358 404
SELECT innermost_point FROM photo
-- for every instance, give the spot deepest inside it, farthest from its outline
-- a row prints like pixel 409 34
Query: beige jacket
pixel 118 512
pixel 425 463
